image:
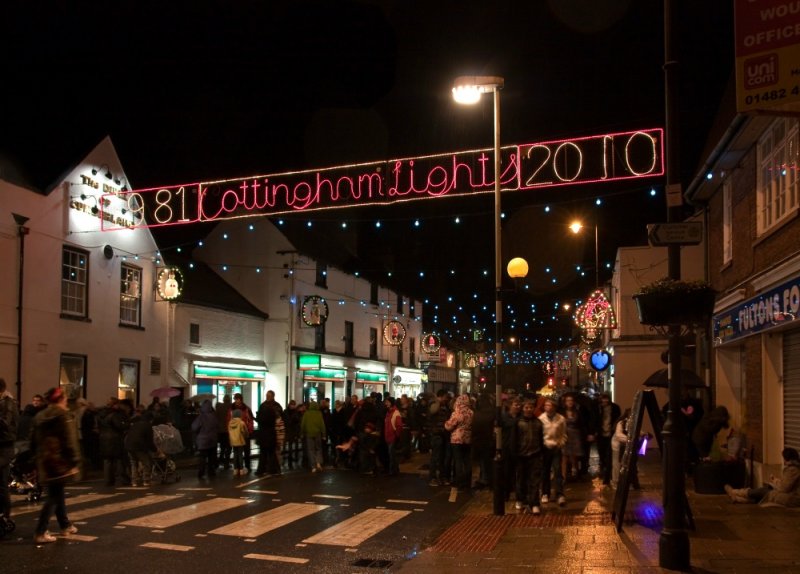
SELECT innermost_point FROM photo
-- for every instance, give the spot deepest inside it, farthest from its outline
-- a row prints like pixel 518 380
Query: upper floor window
pixel 130 295
pixel 373 343
pixel 412 352
pixel 727 221
pixel 373 293
pixel 194 333
pixel 777 174
pixel 74 282
pixel 400 304
pixel 348 337
pixel 322 275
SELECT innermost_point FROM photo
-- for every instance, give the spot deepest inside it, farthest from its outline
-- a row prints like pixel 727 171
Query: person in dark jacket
pixel 509 447
pixel 8 435
pixel 483 439
pixel 529 444
pixel 438 414
pixel 114 422
pixel 205 428
pixel 222 411
pixel 266 417
pixel 607 415
pixel 58 456
pixel 139 443
pixel 706 430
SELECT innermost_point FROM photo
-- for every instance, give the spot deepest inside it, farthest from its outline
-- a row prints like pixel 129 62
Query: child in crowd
pixel 237 432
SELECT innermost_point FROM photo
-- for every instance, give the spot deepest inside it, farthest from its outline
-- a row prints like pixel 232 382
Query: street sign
pixel 686 233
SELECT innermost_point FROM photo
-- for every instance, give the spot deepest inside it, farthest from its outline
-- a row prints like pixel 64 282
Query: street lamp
pixel 576 227
pixel 468 90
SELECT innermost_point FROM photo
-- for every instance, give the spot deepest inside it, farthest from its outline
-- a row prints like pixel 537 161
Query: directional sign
pixel 687 233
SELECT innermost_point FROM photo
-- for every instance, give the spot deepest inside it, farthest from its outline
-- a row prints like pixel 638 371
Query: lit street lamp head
pixel 468 89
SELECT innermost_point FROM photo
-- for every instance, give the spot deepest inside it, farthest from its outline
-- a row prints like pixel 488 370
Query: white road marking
pixel 81 498
pixel 249 482
pixel 258 524
pixel 334 496
pixel 196 489
pixel 169 518
pixel 161 546
pixel 78 488
pixel 274 558
pixel 453 495
pixel 402 501
pixel 120 506
pixel 357 529
pixel 262 491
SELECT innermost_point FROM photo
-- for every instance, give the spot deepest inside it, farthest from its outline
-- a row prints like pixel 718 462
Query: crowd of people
pixel 546 441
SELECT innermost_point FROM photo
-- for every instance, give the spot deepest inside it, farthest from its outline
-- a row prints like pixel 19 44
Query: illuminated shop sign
pixel 114 212
pixel 593 159
pixel 771 309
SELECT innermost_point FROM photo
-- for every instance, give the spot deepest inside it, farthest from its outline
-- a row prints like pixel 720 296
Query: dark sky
pixel 199 89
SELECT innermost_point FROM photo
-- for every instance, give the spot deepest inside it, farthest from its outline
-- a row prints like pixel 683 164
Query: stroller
pixel 168 440
pixel 23 475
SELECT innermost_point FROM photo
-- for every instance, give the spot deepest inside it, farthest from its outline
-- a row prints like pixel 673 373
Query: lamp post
pixel 468 90
pixel 576 227
pixel 22 231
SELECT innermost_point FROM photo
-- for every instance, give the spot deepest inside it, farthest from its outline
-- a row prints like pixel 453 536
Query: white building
pixel 88 319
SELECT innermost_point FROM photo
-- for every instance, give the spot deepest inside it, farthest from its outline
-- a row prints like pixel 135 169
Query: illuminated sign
pixel 309 362
pixel 315 311
pixel 113 212
pixel 394 333
pixel 593 159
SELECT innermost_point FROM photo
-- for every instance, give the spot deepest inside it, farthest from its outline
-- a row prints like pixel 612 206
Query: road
pixel 332 521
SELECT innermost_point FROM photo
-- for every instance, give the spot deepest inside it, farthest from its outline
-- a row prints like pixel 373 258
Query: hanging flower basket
pixel 671 302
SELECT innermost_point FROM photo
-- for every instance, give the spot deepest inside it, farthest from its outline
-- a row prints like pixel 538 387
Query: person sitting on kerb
pixel 783 491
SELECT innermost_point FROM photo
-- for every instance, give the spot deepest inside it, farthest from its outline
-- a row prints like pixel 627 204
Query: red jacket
pixel 392 425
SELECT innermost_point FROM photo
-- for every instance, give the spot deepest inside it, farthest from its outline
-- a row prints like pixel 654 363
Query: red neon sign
pixel 593 159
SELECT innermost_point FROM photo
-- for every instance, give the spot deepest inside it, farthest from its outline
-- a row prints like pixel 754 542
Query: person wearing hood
pixel 460 427
pixel 140 443
pixel 205 428
pixel 783 491
pixel 58 457
pixel 706 430
pixel 312 429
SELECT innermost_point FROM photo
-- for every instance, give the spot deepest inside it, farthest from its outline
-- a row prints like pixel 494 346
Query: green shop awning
pixel 324 374
pixel 363 377
pixel 202 372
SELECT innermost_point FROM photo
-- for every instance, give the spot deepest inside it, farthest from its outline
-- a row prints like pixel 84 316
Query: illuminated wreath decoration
pixel 394 333
pixel 315 311
pixel 169 283
pixel 431 343
pixel 596 313
pixel 471 360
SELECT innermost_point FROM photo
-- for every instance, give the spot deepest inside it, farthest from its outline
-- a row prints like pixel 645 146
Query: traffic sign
pixel 686 233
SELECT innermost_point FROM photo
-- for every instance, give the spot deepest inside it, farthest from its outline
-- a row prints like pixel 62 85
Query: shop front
pixel 441 377
pixel 407 382
pixel 220 379
pixel 370 382
pixel 324 383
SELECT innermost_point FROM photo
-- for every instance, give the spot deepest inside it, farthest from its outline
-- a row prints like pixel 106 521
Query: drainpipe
pixel 22 231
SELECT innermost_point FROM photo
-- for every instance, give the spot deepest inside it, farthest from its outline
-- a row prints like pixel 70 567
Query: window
pixel 412 352
pixel 412 312
pixel 74 282
pixel 322 275
pixel 348 337
pixel 400 304
pixel 130 296
pixel 373 343
pixel 128 384
pixel 399 354
pixel 727 216
pixel 373 293
pixel 194 333
pixel 72 375
pixel 319 338
pixel 777 174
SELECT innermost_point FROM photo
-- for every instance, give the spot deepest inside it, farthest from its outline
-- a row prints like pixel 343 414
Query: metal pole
pixel 673 544
pixel 499 501
pixel 22 231
pixel 596 260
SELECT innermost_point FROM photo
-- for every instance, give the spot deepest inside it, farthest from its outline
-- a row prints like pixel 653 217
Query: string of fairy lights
pixel 540 325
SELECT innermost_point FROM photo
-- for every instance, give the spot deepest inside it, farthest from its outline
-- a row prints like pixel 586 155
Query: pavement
pixel 581 537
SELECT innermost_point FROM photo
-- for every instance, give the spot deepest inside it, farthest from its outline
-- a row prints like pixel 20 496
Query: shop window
pixel 194 333
pixel 128 384
pixel 412 351
pixel 72 375
pixel 130 296
pixel 373 343
pixel 322 275
pixel 74 283
pixel 777 174
pixel 348 338
pixel 727 221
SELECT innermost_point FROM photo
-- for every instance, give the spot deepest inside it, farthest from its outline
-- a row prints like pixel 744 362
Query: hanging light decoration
pixel 596 313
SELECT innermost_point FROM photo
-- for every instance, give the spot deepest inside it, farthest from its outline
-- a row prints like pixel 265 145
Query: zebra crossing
pixel 328 520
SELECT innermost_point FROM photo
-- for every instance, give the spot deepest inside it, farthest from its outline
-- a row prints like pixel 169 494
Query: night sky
pixel 195 90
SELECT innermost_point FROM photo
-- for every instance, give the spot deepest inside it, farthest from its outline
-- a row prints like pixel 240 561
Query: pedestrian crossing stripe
pixel 120 506
pixel 334 496
pixel 186 513
pixel 274 558
pixel 402 501
pixel 258 524
pixel 80 499
pixel 357 529
pixel 162 546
